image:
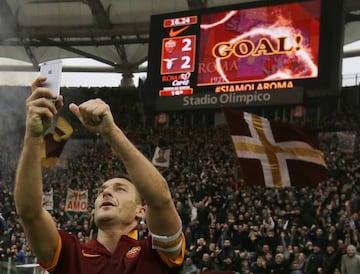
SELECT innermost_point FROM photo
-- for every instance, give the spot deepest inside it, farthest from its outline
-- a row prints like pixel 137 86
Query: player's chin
pixel 104 216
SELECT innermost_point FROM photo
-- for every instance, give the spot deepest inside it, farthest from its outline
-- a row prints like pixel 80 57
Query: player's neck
pixel 109 236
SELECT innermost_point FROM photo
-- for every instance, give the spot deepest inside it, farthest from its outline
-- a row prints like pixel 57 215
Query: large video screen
pixel 252 54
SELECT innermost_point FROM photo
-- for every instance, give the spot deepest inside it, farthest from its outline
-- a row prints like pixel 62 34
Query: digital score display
pixel 178 54
pixel 236 55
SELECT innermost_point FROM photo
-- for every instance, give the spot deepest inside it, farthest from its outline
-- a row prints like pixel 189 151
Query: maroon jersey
pixel 130 257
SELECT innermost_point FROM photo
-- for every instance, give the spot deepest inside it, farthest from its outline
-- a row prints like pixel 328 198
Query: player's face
pixel 117 203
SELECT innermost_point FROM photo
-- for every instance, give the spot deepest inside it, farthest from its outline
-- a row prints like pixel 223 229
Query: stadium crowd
pixel 229 227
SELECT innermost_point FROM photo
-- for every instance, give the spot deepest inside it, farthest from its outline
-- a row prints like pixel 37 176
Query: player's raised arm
pixel 38 224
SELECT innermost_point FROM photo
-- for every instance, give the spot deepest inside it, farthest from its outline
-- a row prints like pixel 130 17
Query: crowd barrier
pixel 10 267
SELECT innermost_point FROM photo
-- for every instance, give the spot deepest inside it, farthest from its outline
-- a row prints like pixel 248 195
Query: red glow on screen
pixel 180 21
pixel 177 92
pixel 260 44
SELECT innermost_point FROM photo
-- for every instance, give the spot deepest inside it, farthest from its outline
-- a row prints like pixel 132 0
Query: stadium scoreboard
pixel 252 54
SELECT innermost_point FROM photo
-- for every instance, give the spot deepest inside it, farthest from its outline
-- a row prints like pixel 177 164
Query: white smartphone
pixel 52 71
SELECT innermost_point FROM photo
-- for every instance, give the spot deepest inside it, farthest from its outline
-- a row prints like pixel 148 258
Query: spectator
pixel 350 262
pixel 298 264
pixel 314 261
pixel 207 263
pixel 281 265
pixel 331 259
pixel 259 266
pixel 188 267
pixel 227 257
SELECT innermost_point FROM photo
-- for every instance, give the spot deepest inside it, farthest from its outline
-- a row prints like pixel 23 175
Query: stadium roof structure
pixel 113 32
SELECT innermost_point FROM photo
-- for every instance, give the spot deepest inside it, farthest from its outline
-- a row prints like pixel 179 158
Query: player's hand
pixel 40 111
pixel 95 115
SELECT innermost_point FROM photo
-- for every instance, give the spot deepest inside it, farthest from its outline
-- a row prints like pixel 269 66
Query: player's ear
pixel 140 212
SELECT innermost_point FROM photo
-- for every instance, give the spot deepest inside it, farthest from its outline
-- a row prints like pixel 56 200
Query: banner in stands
pixel 343 140
pixel 48 200
pixel 76 200
pixel 161 157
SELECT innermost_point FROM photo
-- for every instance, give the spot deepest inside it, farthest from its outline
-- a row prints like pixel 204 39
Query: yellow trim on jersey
pixel 134 234
pixel 56 256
